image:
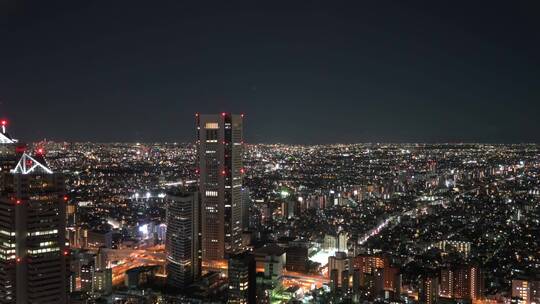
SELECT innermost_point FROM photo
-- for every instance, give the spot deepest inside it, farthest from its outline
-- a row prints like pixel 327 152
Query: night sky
pixel 301 71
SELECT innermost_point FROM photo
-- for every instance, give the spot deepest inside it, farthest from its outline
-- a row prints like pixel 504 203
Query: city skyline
pixel 405 223
pixel 269 152
pixel 302 73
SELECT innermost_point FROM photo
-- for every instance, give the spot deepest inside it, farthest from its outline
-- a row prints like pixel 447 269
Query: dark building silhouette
pixel 242 279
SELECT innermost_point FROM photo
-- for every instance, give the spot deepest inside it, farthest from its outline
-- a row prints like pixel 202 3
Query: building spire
pixel 5 138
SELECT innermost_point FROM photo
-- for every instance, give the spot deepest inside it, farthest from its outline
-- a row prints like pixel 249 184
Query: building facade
pixel 182 240
pixel 242 281
pixel 33 251
pixel 220 141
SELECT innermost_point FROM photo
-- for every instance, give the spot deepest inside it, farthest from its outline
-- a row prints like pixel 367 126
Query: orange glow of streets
pixel 305 280
pixel 134 258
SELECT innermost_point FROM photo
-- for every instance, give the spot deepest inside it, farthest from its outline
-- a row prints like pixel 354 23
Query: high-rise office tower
pixel 219 139
pixel 241 272
pixel 33 251
pixel 182 240
pixel 10 149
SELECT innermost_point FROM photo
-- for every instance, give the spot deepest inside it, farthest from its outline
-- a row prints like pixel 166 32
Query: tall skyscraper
pixel 10 149
pixel 33 251
pixel 182 240
pixel 220 141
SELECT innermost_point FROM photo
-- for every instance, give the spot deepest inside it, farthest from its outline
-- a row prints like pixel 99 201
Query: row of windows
pixel 211 125
pixel 211 193
pixel 43 250
pixel 43 232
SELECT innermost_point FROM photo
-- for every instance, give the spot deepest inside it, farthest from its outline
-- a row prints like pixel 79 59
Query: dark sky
pixel 301 71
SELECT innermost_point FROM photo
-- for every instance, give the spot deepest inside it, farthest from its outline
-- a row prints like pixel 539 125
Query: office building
pixel 297 258
pixel 33 251
pixel 219 139
pixel 242 279
pixel 87 277
pixel 10 149
pixel 102 281
pixel 182 240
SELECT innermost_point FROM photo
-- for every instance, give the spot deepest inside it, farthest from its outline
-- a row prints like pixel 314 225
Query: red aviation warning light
pixel 223 172
pixel 242 170
pixel 65 198
pixel 66 252
pixel 3 122
pixel 18 259
pixel 17 202
pixel 223 114
pixel 40 151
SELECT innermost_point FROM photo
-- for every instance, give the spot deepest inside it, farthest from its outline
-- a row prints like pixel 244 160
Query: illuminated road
pixel 122 260
pixel 373 232
pixel 304 280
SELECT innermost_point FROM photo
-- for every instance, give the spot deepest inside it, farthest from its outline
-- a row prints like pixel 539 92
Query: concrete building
pixel 342 241
pixel 220 141
pixel 341 263
pixel 526 290
pixel 182 240
pixel 463 282
pixel 10 149
pixel 429 290
pixel 330 242
pixel 33 251
pixel 102 281
pixel 242 279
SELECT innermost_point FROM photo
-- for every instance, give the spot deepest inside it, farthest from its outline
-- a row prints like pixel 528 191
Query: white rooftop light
pixel 6 140
pixel 27 164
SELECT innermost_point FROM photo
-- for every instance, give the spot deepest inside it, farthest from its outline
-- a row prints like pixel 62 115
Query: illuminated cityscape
pixel 268 152
pixel 400 223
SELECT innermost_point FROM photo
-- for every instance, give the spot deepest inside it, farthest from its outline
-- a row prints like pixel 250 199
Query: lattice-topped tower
pixel 33 251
